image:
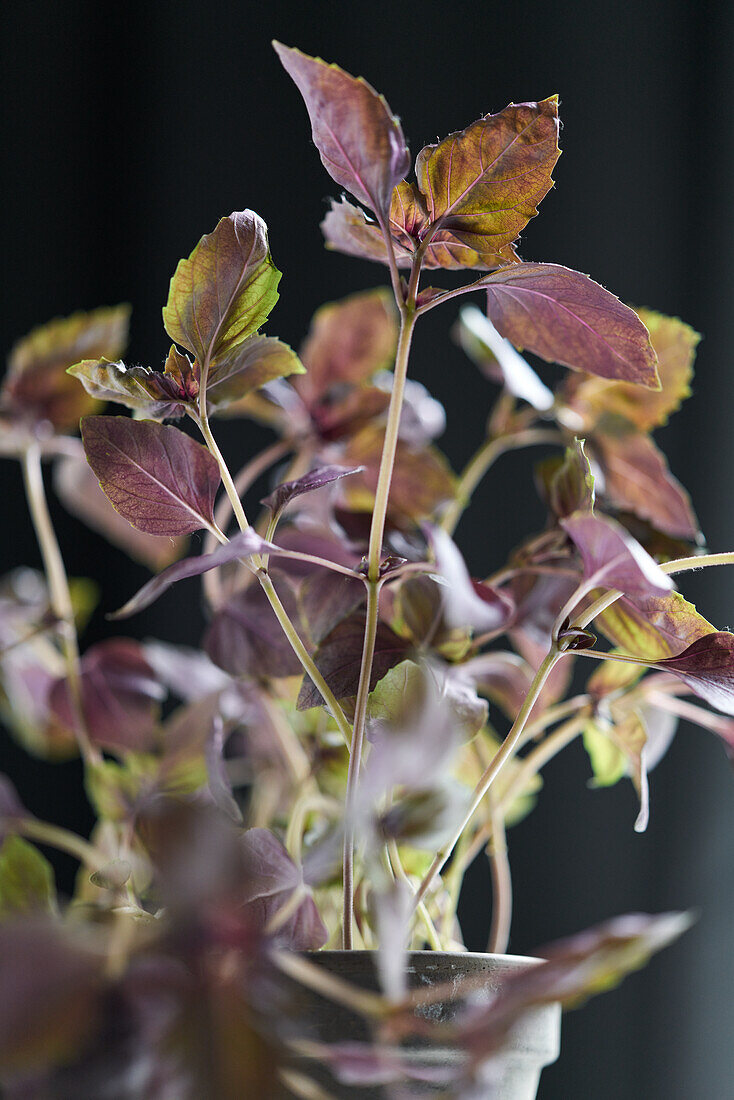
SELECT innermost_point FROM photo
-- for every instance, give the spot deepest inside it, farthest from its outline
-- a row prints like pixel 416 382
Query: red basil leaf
pixel 608 550
pixel 358 138
pixel 314 479
pixel 157 477
pixel 565 317
pixel 245 638
pixel 707 668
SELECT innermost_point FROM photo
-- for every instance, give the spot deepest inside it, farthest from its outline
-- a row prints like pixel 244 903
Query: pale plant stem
pixel 499 865
pixel 290 747
pixel 355 757
pixel 452 885
pixel 59 594
pixel 302 1086
pixel 467 288
pixel 481 462
pixel 297 645
pixel 552 715
pixel 305 658
pixel 502 755
pixel 396 866
pixel 54 836
pixel 392 429
pixel 717 723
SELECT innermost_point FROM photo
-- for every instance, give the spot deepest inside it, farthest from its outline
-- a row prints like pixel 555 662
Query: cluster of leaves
pixel 219 775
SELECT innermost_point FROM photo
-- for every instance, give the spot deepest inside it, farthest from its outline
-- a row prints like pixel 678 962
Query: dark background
pixel 128 133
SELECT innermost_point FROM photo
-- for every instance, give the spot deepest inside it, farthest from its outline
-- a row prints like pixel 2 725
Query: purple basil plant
pixel 363 717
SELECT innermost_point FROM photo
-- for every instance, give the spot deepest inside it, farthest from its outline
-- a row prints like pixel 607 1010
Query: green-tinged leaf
pixel 653 627
pixel 158 478
pixel 152 393
pixel 349 341
pixel 608 761
pixel 339 658
pixel 397 697
pixel 484 183
pixel 225 290
pixel 568 483
pixel 611 677
pixel 675 345
pixel 26 879
pixel 115 789
pixel 247 367
pixel 360 141
pixel 422 478
pixel 79 491
pixel 567 318
pixel 637 479
pixel 37 386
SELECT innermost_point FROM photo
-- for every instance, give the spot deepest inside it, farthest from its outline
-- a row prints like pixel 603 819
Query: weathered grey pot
pixel 535 1042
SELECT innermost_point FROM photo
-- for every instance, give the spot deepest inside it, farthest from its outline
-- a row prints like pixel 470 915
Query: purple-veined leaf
pixel 637 479
pixel 120 696
pixel 271 876
pixel 152 393
pixel 339 658
pixel 246 639
pixel 326 598
pixel 674 342
pixel 246 367
pixel 610 554
pixel 575 969
pixel 359 140
pixel 565 317
pixel 225 290
pixel 80 493
pixel 467 603
pixel 707 668
pixel 158 478
pixel 498 359
pixel 37 387
pixel 314 479
pixel 349 341
pixel 484 183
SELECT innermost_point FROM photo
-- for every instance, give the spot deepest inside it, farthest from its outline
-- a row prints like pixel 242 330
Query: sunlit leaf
pixel 498 359
pixel 37 386
pixel 653 627
pixel 358 138
pixel 26 879
pixel 608 761
pixel 157 477
pixel 80 493
pixel 225 290
pixel 637 479
pixel 565 317
pixel 675 345
pixel 152 393
pixel 485 183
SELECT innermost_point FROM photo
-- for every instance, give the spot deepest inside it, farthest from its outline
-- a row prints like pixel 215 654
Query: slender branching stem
pixel 355 758
pixel 499 866
pixel 481 462
pixel 502 755
pixel 54 836
pixel 59 594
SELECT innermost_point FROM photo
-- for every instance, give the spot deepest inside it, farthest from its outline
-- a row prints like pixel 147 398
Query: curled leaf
pixel 707 668
pixel 314 479
pixel 611 555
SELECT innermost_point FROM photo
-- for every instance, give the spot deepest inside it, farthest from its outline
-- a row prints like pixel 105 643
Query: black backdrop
pixel 129 132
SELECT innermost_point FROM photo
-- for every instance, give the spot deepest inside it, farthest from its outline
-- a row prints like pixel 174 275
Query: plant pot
pixel 534 1043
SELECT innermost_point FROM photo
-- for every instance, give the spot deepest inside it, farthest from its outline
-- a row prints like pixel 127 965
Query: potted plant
pixel 268 902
